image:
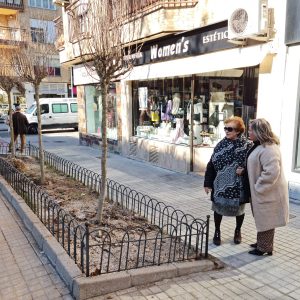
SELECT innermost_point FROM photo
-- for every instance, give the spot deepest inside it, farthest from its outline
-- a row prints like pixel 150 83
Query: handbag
pixel 230 206
pixel 244 190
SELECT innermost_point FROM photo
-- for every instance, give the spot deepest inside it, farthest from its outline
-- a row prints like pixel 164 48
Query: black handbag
pixel 231 206
pixel 244 189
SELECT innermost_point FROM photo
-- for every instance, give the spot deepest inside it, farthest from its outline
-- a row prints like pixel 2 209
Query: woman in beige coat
pixel 269 191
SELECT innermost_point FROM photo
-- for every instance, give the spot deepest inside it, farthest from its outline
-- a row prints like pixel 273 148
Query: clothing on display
pixel 198 112
pixel 176 103
pixel 155 116
pixel 166 116
pixel 143 98
pixel 228 110
pixel 178 130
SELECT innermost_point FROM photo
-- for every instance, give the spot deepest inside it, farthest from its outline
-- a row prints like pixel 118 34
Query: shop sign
pixel 187 44
pixel 84 75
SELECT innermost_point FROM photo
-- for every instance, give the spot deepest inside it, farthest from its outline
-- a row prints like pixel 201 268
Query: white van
pixel 55 113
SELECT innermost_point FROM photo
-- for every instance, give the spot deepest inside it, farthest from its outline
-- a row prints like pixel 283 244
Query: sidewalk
pixel 245 277
pixel 25 272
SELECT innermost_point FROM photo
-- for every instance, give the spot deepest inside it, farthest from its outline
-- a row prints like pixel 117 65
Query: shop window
pixel 162 107
pixel 94 111
pixel 60 108
pixel 74 107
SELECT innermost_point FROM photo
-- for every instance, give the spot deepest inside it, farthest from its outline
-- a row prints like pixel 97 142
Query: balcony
pixel 12 4
pixel 11 36
pixel 146 6
pixel 159 17
pixel 59 29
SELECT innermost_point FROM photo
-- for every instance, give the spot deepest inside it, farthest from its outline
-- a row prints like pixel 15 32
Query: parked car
pixel 55 113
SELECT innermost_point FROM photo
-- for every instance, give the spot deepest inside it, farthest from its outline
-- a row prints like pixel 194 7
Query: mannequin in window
pixel 166 109
pixel 176 103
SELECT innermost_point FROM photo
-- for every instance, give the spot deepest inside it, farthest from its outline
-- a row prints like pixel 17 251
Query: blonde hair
pixel 239 123
pixel 263 132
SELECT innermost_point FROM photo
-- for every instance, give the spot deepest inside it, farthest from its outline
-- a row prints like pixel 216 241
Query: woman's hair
pixel 263 132
pixel 239 123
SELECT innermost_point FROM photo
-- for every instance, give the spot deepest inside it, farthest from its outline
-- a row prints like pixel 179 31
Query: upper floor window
pixel 54 71
pixel 47 4
pixel 42 31
pixel 37 35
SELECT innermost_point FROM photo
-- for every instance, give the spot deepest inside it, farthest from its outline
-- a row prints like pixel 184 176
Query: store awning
pixel 222 60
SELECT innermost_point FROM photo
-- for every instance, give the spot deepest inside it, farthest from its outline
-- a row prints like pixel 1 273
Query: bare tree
pixel 7 84
pixel 32 63
pixel 9 80
pixel 106 31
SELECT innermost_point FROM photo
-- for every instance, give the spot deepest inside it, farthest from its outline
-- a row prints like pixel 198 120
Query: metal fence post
pixel 207 235
pixel 87 249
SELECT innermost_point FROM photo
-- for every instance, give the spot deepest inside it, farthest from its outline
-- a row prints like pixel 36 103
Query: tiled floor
pixel 25 272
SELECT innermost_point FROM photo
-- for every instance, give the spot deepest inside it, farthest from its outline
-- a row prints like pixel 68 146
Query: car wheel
pixel 32 129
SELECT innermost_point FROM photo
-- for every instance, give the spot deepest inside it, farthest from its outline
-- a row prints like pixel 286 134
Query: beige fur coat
pixel 269 190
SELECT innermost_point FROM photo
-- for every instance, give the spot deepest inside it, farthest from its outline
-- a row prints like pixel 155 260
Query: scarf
pixel 227 156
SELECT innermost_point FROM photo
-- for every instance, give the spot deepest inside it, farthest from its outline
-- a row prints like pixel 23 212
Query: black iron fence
pixel 12 4
pixel 170 236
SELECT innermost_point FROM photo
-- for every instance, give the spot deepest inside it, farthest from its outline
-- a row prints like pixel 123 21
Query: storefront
pixel 290 124
pixel 181 91
pixel 90 109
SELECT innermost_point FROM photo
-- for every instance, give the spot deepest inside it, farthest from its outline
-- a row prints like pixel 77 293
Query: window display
pixel 94 112
pixel 162 107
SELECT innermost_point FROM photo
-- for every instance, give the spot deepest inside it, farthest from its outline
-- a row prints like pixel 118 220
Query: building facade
pixel 22 18
pixel 200 63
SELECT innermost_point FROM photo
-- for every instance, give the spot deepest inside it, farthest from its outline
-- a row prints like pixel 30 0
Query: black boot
pixel 259 253
pixel 237 236
pixel 217 238
pixel 253 245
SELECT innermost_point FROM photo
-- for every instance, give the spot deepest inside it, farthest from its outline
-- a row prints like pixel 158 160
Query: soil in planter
pixel 124 240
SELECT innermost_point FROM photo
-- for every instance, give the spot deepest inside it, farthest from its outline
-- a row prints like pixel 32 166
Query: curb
pixel 88 287
pixel 83 287
pixel 60 260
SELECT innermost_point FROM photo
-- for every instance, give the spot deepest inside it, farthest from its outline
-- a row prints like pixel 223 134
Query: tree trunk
pixel 103 89
pixel 41 152
pixel 11 125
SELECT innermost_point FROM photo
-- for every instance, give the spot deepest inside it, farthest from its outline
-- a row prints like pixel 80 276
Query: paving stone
pixel 244 277
pixel 22 268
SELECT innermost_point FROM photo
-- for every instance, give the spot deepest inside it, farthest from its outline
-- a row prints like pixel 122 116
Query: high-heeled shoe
pixel 237 236
pixel 253 245
pixel 217 238
pixel 259 253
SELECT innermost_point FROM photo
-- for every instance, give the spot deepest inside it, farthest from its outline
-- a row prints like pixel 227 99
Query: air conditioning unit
pixel 248 19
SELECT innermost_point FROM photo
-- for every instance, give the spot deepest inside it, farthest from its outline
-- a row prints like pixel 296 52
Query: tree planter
pixel 167 237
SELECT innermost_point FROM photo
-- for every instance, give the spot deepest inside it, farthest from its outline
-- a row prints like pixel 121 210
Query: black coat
pixel 209 178
pixel 20 123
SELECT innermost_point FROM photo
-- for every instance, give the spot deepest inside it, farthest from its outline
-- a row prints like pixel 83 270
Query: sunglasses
pixel 229 129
